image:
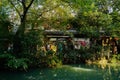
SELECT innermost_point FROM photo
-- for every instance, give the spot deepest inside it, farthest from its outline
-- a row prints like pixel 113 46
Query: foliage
pixel 5 29
pixel 114 59
pixel 75 56
pixel 118 56
pixel 48 59
pixel 85 54
pixel 31 40
pixel 89 21
pixel 4 23
pixel 7 61
pixel 51 59
pixel 115 26
pixel 69 56
pixel 53 62
pixel 82 54
pixel 89 17
pixel 18 63
pixel 6 56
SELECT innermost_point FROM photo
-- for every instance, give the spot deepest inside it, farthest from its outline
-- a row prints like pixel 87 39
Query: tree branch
pixel 14 7
pixel 29 4
pixel 48 10
pixel 25 9
pixel 23 3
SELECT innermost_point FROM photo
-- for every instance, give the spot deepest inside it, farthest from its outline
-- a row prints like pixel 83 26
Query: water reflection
pixel 66 72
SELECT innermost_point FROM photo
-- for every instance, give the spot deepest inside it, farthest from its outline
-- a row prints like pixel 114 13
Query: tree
pixel 111 7
pixel 21 7
pixel 34 12
pixel 115 26
pixel 25 6
pixel 90 20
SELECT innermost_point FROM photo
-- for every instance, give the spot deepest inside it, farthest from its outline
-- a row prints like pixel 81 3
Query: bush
pixel 4 58
pixel 47 59
pixel 118 56
pixel 8 61
pixel 18 64
pixel 31 40
pixel 114 59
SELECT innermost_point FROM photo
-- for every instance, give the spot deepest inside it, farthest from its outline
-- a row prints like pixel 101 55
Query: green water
pixel 66 72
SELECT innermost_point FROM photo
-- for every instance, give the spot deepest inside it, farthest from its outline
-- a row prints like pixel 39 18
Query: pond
pixel 66 72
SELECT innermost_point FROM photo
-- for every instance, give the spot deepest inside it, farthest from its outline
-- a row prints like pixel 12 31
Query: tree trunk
pixel 19 36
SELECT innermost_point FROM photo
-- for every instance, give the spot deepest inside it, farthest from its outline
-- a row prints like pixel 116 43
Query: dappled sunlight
pixel 67 72
pixel 102 63
pixel 82 69
pixel 78 68
pixel 103 66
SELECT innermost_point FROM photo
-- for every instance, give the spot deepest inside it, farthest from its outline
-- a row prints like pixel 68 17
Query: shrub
pixel 118 56
pixel 52 59
pixel 18 63
pixel 4 58
pixel 8 61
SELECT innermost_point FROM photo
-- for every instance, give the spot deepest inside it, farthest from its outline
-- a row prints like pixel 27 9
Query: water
pixel 66 72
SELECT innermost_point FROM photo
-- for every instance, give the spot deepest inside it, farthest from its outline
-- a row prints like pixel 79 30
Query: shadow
pixel 66 72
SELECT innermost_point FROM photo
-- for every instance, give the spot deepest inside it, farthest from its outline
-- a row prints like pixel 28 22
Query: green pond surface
pixel 66 72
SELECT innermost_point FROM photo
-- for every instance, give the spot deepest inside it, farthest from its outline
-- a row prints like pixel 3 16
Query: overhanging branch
pixel 14 7
pixel 29 4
